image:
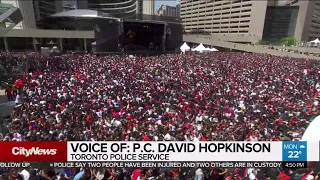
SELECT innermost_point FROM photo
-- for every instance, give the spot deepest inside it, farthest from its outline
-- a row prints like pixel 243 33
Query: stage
pixel 111 31
pixel 143 36
pixel 137 35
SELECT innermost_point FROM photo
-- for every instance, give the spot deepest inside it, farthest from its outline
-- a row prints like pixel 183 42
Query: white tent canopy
pixel 312 131
pixel 212 49
pixel 316 41
pixel 51 42
pixel 184 47
pixel 200 48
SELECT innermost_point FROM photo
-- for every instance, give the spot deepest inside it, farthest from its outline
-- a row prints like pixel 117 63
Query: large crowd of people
pixel 190 97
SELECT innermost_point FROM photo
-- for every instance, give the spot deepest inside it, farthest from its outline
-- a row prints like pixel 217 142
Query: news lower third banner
pixel 295 151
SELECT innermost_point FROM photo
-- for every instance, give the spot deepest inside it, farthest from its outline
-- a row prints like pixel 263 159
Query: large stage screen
pixel 141 35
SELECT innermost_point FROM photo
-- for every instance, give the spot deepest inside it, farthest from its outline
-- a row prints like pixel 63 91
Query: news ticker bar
pixel 40 165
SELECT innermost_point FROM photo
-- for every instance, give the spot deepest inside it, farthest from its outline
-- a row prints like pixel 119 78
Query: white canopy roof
pixel 312 131
pixel 51 42
pixel 212 49
pixel 316 41
pixel 184 47
pixel 200 48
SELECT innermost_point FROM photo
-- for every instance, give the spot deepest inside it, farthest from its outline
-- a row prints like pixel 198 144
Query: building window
pixel 246 21
pixel 247 10
pixel 244 16
pixel 247 5
pixel 235 12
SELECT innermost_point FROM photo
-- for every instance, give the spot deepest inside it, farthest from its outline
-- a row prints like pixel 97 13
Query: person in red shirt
pixel 284 176
pixel 309 175
pixel 9 94
pixel 135 174
pixel 237 174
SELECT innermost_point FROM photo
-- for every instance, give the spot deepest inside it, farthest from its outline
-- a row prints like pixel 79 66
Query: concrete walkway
pixel 2 92
pixel 209 40
pixel 301 49
pixel 5 106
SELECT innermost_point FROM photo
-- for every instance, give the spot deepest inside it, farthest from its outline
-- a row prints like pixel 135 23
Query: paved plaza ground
pixel 5 106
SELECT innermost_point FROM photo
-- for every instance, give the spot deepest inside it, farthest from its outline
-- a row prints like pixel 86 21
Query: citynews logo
pixel 33 151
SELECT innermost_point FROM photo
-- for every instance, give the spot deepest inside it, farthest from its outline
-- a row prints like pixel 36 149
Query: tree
pixel 288 41
pixel 262 42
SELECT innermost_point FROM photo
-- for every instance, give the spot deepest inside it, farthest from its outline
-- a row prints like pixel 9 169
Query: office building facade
pixel 248 17
pixel 27 11
pixel 238 17
pixel 45 8
pixel 119 7
pixel 35 10
pixel 69 5
pixel 114 7
pixel 280 22
pixel 165 10
pixel 147 7
pixel 308 21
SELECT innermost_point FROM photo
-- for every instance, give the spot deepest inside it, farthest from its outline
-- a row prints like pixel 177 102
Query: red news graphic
pixel 33 151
